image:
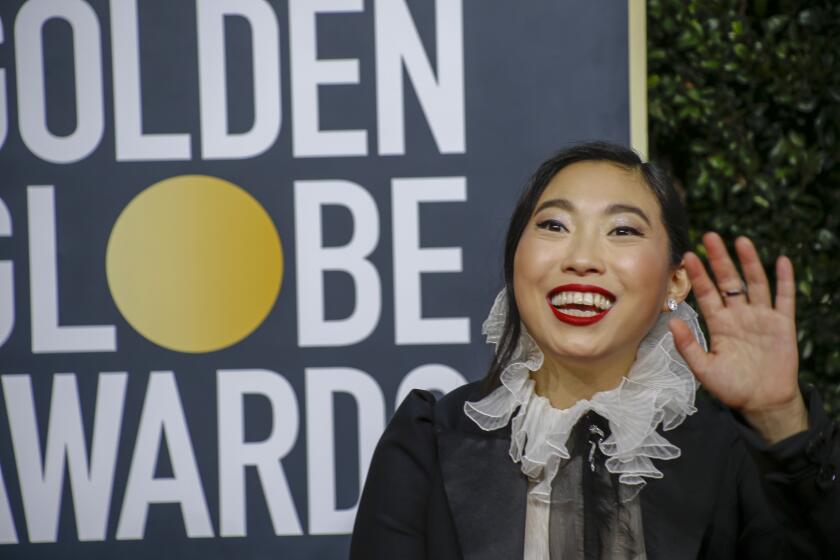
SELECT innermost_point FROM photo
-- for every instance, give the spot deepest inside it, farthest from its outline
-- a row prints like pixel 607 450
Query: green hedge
pixel 744 104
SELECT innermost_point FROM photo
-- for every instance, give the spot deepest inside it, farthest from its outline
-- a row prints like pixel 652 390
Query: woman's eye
pixel 626 230
pixel 552 225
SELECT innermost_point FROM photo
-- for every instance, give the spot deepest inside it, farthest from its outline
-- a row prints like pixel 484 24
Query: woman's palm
pixel 752 363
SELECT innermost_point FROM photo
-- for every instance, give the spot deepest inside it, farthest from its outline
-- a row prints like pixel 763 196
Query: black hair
pixel 673 215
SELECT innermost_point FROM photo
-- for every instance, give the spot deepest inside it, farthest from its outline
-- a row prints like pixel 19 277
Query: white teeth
pixel 581 298
pixel 578 312
pixel 601 302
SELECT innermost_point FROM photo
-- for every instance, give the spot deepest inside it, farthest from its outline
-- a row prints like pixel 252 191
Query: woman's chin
pixel 579 353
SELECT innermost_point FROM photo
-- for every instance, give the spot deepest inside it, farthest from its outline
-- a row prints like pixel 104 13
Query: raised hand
pixel 752 363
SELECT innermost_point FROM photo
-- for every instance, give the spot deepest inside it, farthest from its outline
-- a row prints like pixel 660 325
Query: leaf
pixel 775 23
pixel 808 349
pixel 825 237
pixel 805 288
pixel 796 139
pixel 809 17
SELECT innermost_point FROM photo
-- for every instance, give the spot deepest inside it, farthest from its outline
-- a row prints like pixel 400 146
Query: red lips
pixel 571 319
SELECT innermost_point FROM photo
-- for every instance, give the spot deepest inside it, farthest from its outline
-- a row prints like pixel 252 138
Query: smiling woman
pixel 596 228
pixel 588 437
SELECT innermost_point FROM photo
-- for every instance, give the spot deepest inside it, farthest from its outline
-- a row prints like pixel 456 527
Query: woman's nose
pixel 583 257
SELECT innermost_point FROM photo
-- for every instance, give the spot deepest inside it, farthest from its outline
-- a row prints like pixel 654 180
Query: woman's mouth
pixel 580 304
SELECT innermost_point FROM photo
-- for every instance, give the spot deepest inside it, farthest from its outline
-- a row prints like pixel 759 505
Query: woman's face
pixel 592 269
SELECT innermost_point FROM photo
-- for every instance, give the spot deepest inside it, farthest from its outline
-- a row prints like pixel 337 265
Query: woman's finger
pixel 689 348
pixel 705 291
pixel 726 275
pixel 756 278
pixel 785 287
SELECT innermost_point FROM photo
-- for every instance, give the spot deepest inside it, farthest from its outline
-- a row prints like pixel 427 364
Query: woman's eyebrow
pixel 626 208
pixel 612 209
pixel 561 203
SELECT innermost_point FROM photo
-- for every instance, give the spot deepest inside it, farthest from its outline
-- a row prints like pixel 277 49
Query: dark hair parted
pixel 673 215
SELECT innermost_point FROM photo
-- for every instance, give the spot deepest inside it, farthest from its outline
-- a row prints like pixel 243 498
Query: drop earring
pixel 672 304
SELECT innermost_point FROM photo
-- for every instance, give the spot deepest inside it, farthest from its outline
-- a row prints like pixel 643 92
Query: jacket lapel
pixel 487 494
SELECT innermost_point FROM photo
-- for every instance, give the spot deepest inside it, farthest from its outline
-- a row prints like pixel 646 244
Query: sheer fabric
pixel 553 448
pixel 590 514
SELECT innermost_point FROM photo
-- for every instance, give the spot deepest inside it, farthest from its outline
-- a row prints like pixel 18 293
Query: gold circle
pixel 194 263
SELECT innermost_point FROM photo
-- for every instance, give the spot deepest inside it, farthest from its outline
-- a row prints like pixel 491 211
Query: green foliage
pixel 744 104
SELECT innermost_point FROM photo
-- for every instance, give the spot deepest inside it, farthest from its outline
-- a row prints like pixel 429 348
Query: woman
pixel 588 438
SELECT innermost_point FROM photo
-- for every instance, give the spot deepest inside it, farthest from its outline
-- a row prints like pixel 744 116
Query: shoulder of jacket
pixel 449 409
pixel 716 421
pixel 421 412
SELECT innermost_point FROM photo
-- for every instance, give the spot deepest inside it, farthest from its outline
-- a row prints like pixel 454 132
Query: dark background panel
pixel 537 76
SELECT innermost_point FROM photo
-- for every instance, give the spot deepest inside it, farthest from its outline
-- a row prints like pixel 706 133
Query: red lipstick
pixel 572 319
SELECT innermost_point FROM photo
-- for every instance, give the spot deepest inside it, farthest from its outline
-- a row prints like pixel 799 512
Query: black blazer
pixel 441 488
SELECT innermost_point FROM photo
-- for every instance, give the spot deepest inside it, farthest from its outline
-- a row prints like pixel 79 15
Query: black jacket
pixel 441 488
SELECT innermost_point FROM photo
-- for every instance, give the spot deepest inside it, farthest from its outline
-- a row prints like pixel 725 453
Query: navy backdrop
pixel 234 233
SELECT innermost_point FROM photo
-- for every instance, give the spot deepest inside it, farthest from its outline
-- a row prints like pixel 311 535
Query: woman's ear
pixel 679 286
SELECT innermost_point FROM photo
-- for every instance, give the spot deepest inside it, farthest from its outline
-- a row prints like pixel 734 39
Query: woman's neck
pixel 565 382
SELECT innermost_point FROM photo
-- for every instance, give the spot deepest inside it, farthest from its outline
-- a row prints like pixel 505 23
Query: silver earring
pixel 672 304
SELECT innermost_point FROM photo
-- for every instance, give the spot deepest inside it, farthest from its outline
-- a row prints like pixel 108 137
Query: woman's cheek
pixel 644 271
pixel 531 259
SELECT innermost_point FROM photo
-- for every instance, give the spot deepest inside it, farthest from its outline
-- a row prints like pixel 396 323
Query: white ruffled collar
pixel 658 389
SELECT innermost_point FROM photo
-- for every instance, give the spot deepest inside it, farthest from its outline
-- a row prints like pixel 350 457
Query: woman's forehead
pixel 591 185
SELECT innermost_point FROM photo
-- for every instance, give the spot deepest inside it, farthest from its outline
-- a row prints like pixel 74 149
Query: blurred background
pixel 744 110
pixel 235 233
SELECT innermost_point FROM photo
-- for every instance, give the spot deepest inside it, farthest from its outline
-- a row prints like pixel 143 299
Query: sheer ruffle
pixel 658 389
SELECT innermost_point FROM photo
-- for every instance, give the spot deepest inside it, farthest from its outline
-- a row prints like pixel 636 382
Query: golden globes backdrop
pixel 235 233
